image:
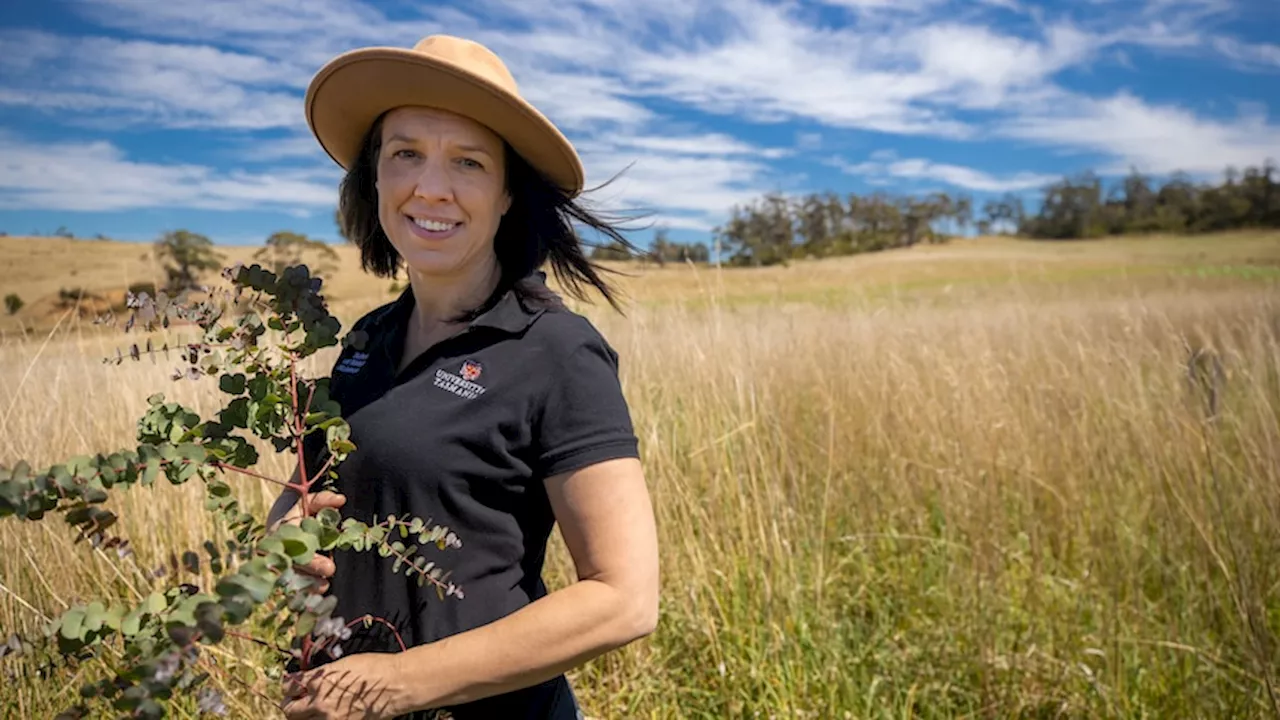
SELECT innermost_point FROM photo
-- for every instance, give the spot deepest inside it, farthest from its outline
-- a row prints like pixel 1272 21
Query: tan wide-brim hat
pixel 441 71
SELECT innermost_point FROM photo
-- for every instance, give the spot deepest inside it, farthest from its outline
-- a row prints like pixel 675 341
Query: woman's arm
pixel 607 522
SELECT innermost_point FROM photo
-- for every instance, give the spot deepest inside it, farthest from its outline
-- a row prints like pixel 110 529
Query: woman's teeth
pixel 433 225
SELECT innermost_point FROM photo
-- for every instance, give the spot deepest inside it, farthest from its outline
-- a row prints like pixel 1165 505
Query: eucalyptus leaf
pixel 72 625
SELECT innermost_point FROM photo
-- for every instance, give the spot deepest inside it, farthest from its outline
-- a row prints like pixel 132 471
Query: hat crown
pixel 470 56
pixel 349 93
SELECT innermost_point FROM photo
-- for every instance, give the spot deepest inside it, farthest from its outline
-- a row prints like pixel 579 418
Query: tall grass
pixel 995 504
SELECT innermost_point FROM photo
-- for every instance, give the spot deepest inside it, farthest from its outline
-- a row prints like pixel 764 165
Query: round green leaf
pixel 72 624
pixel 94 615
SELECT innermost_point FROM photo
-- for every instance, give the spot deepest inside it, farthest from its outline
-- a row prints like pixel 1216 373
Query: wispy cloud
pixel 144 82
pixel 97 176
pixel 883 166
pixel 1263 57
pixel 690 181
pixel 1154 138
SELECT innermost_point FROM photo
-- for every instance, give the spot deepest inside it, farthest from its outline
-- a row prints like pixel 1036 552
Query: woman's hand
pixel 321 567
pixel 356 686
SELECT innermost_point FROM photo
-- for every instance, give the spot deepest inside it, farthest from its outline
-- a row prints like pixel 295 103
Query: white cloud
pixel 773 69
pixel 882 166
pixel 709 144
pixel 1249 56
pixel 203 20
pixel 892 5
pixel 1154 138
pixel 689 180
pixel 614 73
pixel 978 67
pixel 96 176
pixel 136 81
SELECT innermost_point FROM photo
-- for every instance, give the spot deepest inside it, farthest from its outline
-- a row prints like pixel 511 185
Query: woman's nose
pixel 433 182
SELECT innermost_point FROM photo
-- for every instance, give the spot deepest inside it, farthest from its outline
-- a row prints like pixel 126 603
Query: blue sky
pixel 132 117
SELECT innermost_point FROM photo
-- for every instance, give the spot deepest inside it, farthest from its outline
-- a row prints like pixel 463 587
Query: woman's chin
pixel 431 264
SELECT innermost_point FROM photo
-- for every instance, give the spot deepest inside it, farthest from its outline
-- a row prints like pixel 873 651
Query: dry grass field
pixel 989 479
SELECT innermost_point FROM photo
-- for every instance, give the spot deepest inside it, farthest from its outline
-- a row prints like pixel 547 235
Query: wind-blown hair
pixel 537 229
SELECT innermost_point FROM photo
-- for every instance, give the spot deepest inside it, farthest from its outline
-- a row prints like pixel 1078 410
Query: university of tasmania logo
pixel 463 384
pixel 470 370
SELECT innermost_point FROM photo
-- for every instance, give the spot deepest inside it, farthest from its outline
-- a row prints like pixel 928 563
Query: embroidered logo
pixel 470 370
pixel 353 364
pixel 463 384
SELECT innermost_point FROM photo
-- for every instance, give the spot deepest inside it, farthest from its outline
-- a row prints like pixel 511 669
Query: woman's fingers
pixel 315 502
pixel 326 499
pixel 320 566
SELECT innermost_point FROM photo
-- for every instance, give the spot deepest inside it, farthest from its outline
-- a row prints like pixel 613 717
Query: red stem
pixel 392 628
pixel 298 429
pixel 243 471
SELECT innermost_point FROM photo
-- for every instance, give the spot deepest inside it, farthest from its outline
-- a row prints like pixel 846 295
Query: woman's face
pixel 441 190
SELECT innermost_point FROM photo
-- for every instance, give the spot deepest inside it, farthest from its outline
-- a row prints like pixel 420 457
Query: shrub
pixel 13 303
pixel 162 641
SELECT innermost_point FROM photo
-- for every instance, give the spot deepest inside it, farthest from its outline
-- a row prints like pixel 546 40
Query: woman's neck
pixel 438 300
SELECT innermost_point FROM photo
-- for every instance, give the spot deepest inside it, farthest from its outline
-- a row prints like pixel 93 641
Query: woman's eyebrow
pixel 464 148
pixel 475 148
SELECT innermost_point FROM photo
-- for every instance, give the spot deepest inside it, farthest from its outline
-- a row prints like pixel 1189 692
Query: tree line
pixel 777 228
pixel 1085 207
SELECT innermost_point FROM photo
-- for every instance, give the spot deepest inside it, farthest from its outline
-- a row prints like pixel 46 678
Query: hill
pixel 61 280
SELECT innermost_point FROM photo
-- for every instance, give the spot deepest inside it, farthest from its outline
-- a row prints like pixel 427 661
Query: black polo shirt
pixel 464 438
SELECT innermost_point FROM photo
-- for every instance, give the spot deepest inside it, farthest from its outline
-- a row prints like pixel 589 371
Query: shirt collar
pixel 510 313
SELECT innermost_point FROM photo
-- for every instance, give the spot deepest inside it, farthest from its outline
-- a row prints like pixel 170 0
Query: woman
pixel 477 401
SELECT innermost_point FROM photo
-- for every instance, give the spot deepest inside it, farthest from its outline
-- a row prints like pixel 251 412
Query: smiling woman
pixel 476 399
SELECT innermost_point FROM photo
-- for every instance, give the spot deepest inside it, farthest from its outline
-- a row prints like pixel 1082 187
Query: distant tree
pixel 693 252
pixel 660 248
pixel 664 250
pixel 285 248
pixel 13 303
pixel 184 255
pixel 1005 215
pixel 761 233
pixel 613 251
pixel 1071 208
pixel 63 232
pixel 817 231
pixel 962 212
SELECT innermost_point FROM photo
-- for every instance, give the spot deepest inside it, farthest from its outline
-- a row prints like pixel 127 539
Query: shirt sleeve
pixel 584 418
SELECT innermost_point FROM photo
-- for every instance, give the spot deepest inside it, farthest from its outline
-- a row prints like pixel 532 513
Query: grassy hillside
pixel 37 269
pixel 987 479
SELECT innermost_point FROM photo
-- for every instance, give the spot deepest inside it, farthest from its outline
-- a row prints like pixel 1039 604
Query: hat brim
pixel 352 90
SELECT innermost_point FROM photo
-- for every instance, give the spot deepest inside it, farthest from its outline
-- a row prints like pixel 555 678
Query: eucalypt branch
pixel 253 339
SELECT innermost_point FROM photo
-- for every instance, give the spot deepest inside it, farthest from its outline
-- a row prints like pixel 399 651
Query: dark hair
pixel 536 229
